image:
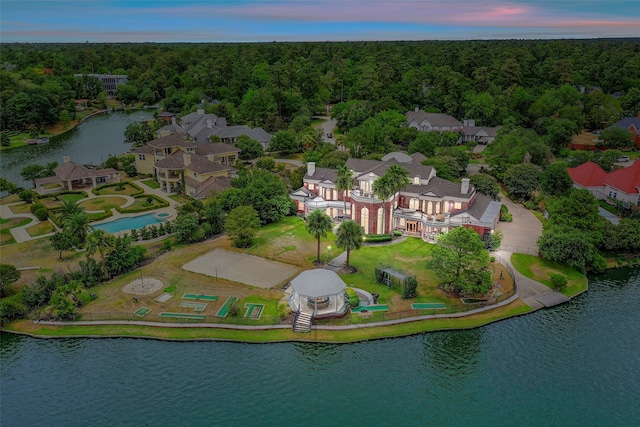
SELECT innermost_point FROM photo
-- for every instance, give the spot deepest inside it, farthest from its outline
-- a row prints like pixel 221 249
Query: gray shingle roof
pixel 216 148
pixel 173 140
pixel 436 119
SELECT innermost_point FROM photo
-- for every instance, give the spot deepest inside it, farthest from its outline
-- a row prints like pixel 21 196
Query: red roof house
pixel 624 184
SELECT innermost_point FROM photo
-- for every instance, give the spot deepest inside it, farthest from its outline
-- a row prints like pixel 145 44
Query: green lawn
pixel 6 224
pixel 39 229
pixel 55 201
pixel 151 183
pixel 540 269
pixel 288 240
pixel 130 189
pixel 410 256
pixel 103 203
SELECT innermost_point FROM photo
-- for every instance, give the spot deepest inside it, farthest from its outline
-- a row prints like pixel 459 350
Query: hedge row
pixel 377 238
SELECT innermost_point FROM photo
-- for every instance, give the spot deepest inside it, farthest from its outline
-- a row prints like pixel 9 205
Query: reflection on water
pixel 92 142
pixel 574 364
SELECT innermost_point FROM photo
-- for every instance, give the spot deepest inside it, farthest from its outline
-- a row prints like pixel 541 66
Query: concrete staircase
pixel 302 322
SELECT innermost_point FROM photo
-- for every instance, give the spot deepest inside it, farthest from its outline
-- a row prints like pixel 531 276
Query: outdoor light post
pixel 329 249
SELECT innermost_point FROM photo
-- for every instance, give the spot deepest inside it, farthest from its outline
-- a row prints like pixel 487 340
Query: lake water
pixel 577 364
pixel 92 142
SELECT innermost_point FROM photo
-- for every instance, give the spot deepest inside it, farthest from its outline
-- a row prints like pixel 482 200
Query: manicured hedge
pixel 377 238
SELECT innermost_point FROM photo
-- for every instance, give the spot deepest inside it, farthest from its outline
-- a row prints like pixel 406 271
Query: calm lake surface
pixel 574 365
pixel 92 142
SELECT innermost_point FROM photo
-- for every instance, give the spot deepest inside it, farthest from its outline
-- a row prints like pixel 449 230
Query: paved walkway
pixel 20 234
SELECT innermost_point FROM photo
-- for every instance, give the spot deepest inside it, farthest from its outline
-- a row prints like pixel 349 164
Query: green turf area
pixel 254 311
pixel 183 316
pixel 151 183
pixel 381 307
pixel 425 305
pixel 197 306
pixel 226 307
pixel 200 296
pixel 142 312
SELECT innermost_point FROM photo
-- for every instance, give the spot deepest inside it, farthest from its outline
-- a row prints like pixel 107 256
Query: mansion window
pixel 457 205
pixel 141 157
pixel 416 180
pixel 414 204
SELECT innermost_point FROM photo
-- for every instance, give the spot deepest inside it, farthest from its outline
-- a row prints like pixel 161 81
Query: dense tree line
pixel 269 84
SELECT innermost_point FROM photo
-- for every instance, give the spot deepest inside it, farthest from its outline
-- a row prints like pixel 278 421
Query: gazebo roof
pixel 318 283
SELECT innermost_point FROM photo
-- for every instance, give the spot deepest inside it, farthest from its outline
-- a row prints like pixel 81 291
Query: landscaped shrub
pixel 134 234
pixel 599 264
pixel 42 214
pixel 160 203
pixel 377 238
pixel 410 288
pixel 558 281
pixel 504 214
pixel 397 233
pixel 352 297
pixel 119 187
pixel 145 234
pixel 11 308
pixel 36 206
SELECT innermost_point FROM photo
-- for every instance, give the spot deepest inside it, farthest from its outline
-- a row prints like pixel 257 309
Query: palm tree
pixel 318 225
pixel 102 242
pixel 68 208
pixel 398 177
pixel 350 236
pixel 393 180
pixel 77 224
pixel 344 182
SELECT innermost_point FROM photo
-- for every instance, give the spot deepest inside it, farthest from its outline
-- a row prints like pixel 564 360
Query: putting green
pixel 380 307
pixel 197 306
pixel 427 305
pixel 184 316
pixel 141 312
pixel 254 311
pixel 224 310
pixel 200 296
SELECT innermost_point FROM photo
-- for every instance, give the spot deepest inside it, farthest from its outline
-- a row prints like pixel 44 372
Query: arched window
pixel 414 204
pixel 430 208
pixel 380 221
pixel 437 208
pixel 364 219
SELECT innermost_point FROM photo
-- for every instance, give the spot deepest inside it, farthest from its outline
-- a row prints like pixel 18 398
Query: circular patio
pixel 320 292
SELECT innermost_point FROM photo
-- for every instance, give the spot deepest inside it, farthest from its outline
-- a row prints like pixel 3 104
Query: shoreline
pixel 270 333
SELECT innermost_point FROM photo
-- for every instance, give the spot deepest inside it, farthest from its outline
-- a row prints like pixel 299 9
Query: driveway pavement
pixel 522 233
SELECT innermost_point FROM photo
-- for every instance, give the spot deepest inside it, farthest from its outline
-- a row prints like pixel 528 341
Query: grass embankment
pixel 361 334
pixel 540 270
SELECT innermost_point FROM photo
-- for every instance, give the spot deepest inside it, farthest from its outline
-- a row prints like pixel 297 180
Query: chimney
pixel 211 157
pixel 201 111
pixel 311 168
pixel 464 188
pixel 187 158
pixel 472 122
pixel 210 123
pixel 173 120
pixel 66 159
pixel 416 109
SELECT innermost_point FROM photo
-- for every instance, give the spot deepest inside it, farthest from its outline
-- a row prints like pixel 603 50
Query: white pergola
pixel 318 291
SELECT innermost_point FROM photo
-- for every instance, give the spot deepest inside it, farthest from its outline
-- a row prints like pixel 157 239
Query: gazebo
pixel 319 292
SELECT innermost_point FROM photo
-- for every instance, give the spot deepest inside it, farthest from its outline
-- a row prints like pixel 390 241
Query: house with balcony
pixel 178 163
pixel 71 176
pixel 426 207
pixel 200 127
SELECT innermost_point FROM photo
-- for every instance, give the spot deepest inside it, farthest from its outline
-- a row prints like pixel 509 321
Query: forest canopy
pixel 587 82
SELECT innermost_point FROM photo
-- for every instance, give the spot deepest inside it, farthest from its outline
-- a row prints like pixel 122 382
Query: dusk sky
pixel 308 20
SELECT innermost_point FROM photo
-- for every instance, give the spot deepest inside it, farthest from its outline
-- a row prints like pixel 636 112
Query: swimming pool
pixel 126 224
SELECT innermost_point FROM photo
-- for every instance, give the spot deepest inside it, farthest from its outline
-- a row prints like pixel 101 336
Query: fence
pixel 519 249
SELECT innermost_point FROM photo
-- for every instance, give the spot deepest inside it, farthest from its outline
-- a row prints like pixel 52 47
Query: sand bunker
pixel 144 286
pixel 242 268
